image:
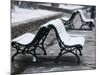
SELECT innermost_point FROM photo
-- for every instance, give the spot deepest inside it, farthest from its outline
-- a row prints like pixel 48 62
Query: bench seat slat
pixel 25 38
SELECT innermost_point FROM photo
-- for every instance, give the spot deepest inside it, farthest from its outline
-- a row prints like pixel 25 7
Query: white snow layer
pixel 70 7
pixel 64 36
pixel 21 14
pixel 25 38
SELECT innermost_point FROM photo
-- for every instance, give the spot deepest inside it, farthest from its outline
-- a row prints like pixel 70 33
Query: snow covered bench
pixel 67 43
pixel 28 42
pixel 85 21
pixel 68 22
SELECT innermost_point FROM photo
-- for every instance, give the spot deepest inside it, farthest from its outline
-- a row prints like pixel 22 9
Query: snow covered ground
pixel 21 15
pixel 46 4
pixel 70 7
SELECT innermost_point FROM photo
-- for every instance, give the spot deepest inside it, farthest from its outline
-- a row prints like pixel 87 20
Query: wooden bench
pixel 28 42
pixel 67 43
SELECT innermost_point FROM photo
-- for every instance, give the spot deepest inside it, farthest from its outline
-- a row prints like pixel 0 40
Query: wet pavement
pixel 24 65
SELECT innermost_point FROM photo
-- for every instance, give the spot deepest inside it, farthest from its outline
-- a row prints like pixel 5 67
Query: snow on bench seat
pixel 25 38
pixel 76 40
pixel 64 36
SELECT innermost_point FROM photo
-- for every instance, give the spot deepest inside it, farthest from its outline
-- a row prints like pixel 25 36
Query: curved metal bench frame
pixel 85 22
pixel 30 48
pixel 39 39
pixel 69 22
pixel 64 49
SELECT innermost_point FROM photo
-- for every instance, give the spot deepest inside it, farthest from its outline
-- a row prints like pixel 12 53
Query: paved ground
pixel 24 64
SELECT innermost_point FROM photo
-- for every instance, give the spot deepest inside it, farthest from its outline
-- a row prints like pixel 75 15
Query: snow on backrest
pixel 83 17
pixel 59 26
pixel 44 25
pixel 81 13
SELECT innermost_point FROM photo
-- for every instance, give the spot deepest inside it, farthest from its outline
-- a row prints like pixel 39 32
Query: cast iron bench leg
pixel 12 59
pixel 62 53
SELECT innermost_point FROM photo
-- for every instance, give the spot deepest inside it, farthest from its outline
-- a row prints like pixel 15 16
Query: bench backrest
pixel 42 33
pixel 81 14
pixel 59 28
pixel 58 24
pixel 74 13
pixel 69 20
pixel 83 18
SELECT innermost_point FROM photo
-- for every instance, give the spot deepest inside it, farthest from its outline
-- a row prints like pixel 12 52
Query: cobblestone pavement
pixel 24 64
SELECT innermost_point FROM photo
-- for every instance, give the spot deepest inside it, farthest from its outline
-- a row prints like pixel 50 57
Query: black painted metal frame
pixel 90 24
pixel 30 48
pixel 64 49
pixel 69 23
